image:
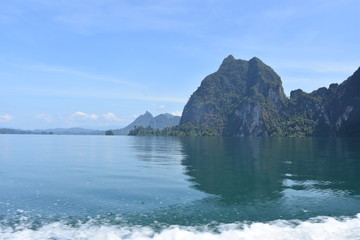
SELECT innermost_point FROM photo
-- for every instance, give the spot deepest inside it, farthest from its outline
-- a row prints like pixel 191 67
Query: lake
pixel 121 187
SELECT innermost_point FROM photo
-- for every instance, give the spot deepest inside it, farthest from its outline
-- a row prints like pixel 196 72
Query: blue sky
pixel 100 63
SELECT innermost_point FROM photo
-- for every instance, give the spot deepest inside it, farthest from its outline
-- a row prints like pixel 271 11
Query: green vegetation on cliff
pixel 181 130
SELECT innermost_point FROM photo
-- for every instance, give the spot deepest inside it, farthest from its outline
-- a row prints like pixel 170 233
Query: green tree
pixel 109 133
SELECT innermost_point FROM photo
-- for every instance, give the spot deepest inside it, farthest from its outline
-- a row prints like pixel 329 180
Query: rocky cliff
pixel 246 98
pixel 333 111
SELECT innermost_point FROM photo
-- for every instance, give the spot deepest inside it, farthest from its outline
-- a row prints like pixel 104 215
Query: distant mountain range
pixel 73 131
pixel 15 131
pixel 55 131
pixel 147 120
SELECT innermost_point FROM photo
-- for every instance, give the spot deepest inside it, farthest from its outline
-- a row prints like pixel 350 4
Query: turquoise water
pixel 120 187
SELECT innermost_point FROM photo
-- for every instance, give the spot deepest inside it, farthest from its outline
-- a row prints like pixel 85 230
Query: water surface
pixel 112 187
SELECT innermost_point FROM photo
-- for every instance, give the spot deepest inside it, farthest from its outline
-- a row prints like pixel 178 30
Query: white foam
pixel 317 228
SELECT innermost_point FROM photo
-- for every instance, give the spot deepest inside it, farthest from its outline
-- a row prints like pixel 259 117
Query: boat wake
pixel 315 228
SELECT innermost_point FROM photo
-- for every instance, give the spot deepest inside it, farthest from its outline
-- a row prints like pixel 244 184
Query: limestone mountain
pixel 147 120
pixel 242 98
pixel 166 120
pixel 246 98
pixel 333 111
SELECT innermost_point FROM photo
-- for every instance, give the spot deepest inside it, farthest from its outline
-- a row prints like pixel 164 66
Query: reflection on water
pixel 305 173
pixel 159 150
pixel 260 178
pixel 171 180
pixel 238 170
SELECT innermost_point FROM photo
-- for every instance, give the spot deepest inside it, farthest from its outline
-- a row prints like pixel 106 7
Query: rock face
pixel 246 98
pixel 166 120
pixel 334 111
pixel 243 98
pixel 147 120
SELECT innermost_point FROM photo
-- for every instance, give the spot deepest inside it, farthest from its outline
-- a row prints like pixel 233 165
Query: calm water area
pixel 122 187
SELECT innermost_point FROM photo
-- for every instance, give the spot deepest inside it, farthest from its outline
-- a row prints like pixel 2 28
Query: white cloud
pixel 111 117
pixel 160 106
pixel 135 116
pixel 177 113
pixel 6 118
pixel 45 117
pixel 82 115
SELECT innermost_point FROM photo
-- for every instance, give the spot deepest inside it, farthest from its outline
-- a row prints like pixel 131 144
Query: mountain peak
pixel 230 58
pixel 231 62
pixel 167 115
pixel 255 60
pixel 147 113
pixel 228 61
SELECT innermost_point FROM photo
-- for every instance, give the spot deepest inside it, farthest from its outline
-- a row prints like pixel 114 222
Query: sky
pixel 101 63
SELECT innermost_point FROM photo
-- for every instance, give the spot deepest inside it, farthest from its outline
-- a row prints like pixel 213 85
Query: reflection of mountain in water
pixel 245 170
pixel 252 179
pixel 161 150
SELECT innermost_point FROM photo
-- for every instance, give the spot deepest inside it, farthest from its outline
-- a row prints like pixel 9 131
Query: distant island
pixel 53 131
pixel 246 98
pixel 146 120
